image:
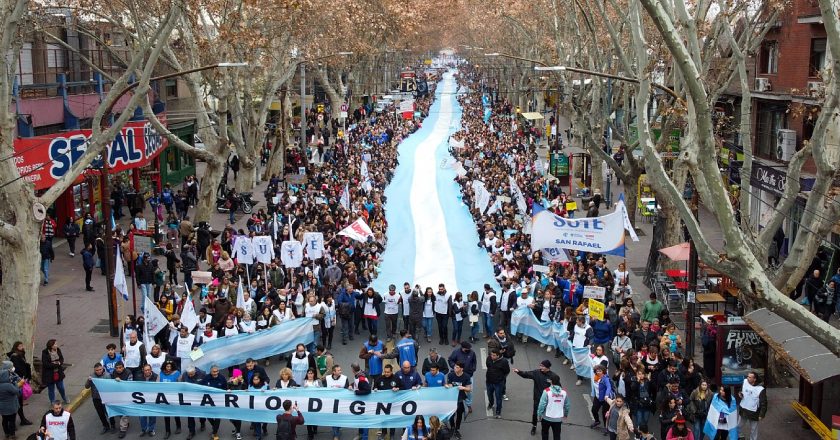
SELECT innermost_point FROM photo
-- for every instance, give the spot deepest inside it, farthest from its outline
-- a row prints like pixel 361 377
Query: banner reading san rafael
pixel 320 406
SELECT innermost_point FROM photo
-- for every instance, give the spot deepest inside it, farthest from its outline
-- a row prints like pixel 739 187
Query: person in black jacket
pixel 361 387
pixel 498 369
pixel 434 359
pixel 71 233
pixel 99 244
pixel 88 263
pixel 47 256
pixel 214 380
pixel 540 376
pixel 145 276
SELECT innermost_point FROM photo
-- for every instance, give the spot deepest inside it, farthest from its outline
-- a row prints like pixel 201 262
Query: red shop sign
pixel 43 160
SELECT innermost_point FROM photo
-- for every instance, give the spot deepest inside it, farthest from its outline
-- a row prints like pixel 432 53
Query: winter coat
pixel 9 393
pixel 467 358
pixel 497 370
pixel 540 380
pixel 601 331
pixel 48 369
pixel 625 422
pixel 22 368
pixel 697 409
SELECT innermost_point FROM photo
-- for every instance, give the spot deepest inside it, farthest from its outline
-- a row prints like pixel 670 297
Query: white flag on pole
pixel 345 197
pixel 358 230
pixel 263 248
pixel 240 295
pixel 291 253
pixel 189 318
pixel 314 244
pixel 120 282
pixel 243 249
pixel 155 321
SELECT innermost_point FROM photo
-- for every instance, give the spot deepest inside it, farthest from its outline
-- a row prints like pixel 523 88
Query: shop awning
pixel 814 362
pixel 531 116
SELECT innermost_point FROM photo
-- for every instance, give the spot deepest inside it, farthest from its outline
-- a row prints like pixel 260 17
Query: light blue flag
pixel 319 406
pixel 722 417
pixel 234 350
pixel 524 321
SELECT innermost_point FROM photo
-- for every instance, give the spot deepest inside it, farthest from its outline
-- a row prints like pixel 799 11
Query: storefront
pixel 46 159
pixel 767 184
pixel 175 165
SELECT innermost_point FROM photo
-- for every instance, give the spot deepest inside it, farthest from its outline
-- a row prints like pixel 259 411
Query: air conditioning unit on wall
pixel 785 144
pixel 762 85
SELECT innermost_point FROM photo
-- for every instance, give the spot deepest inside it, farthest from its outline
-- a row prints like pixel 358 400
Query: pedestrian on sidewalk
pixel 88 263
pixel 71 233
pixel 753 405
pixel 22 368
pixel 52 370
pixel 47 256
pixel 9 403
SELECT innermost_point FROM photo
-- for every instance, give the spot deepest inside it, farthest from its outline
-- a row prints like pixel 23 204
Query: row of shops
pixel 140 163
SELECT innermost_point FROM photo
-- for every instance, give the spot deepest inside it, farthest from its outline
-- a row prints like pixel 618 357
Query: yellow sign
pixel 427 62
pixel 571 206
pixel 340 134
pixel 320 108
pixel 596 309
pixel 518 110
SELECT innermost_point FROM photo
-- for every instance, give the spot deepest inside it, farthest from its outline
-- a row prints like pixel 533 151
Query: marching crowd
pixel 639 372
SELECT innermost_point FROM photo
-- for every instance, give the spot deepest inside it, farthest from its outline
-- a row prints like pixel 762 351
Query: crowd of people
pixel 639 371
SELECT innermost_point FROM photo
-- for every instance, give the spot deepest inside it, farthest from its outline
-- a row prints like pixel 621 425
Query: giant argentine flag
pixel 553 334
pixel 729 421
pixel 602 235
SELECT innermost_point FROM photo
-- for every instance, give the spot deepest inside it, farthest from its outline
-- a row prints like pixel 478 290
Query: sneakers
pixel 565 362
pixel 489 407
pixel 498 416
pixel 505 398
pixel 151 433
pixel 143 434
pixel 72 254
pixel 104 430
pixel 548 349
pixel 595 423
pixel 542 345
pixel 572 367
pixel 122 434
pixel 533 430
pixel 458 434
pixel 578 382
pixel 238 436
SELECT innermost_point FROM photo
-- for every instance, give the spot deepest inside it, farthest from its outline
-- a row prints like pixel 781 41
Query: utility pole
pixel 691 293
pixel 302 104
pixel 113 314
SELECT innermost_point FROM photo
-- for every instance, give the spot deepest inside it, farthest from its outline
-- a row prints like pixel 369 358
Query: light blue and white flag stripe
pixel 713 423
pixel 319 406
pixel 551 333
pixel 234 350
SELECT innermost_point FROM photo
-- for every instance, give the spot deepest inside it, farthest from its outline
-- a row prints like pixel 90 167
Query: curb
pixel 78 401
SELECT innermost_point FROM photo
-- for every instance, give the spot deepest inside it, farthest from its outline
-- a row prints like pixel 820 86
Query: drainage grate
pixel 102 327
pixel 638 271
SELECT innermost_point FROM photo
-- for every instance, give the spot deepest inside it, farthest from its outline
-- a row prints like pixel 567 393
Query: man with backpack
pixel 288 422
pixel 344 309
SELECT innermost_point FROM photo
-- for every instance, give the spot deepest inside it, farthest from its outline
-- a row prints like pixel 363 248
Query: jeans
pixel 51 391
pixel 336 432
pixel 71 243
pixel 413 328
pixel 45 269
pixel 373 325
pixel 697 428
pixel 443 326
pixel 363 434
pixel 147 424
pixel 232 217
pixel 495 396
pixel 474 328
pixel 188 279
pixel 427 327
pixel 555 429
pixel 317 338
pixel 346 328
pixel 457 329
pixel 148 291
pixel 88 275
pixel 488 323
pixel 258 429
pixel 641 417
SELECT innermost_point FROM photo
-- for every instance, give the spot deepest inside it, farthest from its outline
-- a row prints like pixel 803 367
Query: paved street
pixel 83 336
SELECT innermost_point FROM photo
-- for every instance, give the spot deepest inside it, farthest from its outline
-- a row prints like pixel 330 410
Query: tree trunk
pixel 19 291
pixel 247 178
pixel 630 196
pixel 276 158
pixel 207 192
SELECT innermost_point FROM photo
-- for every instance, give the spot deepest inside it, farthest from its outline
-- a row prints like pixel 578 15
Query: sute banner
pixel 603 235
pixel 45 159
pixel 319 406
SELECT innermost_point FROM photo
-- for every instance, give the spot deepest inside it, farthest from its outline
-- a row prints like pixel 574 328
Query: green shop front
pixel 175 164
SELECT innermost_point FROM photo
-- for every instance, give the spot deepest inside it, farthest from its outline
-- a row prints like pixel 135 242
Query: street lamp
pixel 113 316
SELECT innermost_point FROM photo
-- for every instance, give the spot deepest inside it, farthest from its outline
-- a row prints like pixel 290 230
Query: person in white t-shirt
pixel 443 300
pixel 391 305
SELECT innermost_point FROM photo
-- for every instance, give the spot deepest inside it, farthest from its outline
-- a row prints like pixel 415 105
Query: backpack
pixel 284 428
pixel 345 310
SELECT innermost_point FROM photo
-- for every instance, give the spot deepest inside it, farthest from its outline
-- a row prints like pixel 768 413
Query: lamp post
pixel 110 263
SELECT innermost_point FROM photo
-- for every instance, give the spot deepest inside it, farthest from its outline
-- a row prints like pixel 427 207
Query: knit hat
pixel 680 419
pixel 546 363
pixel 6 365
pixel 465 344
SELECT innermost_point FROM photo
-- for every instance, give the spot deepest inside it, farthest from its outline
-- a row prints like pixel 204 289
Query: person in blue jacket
pixel 345 308
pixel 215 379
pixel 601 331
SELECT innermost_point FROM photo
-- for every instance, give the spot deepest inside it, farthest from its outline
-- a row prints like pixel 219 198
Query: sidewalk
pixel 84 330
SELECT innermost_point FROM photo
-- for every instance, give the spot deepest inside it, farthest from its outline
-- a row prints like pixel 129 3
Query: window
pixel 769 60
pixel 55 56
pixel 171 88
pixel 770 120
pixel 817 56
